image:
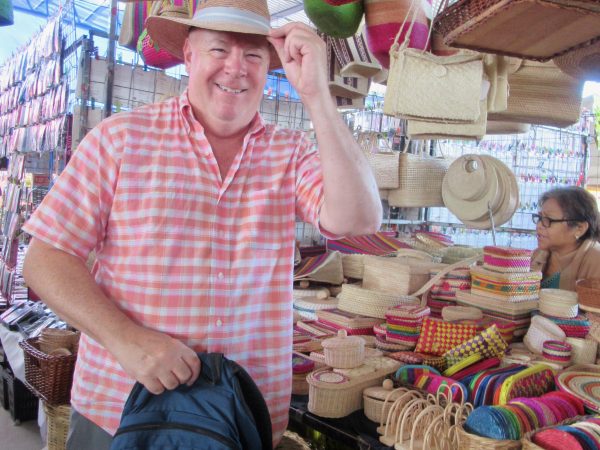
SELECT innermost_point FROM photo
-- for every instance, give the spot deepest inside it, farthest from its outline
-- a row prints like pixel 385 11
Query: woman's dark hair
pixel 578 204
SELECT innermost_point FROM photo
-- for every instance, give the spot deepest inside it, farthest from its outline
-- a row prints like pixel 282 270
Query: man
pixel 190 205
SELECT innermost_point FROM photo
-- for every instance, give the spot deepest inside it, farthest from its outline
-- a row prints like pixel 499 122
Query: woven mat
pixel 292 441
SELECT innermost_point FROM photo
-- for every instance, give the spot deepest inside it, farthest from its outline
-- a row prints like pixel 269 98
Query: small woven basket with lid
pixel 343 351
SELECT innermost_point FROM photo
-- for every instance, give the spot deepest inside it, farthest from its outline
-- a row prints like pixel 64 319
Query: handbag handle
pixel 445 271
pixel 412 12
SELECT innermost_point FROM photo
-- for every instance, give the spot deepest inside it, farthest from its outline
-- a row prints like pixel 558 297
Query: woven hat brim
pixel 170 33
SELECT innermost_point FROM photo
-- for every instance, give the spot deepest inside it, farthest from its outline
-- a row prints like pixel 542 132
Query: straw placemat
pixel 584 385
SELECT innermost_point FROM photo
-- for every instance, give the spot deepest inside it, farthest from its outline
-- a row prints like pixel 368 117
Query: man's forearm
pixel 352 205
pixel 66 286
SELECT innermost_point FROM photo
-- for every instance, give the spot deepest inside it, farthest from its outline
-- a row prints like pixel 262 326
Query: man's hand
pixel 156 360
pixel 303 55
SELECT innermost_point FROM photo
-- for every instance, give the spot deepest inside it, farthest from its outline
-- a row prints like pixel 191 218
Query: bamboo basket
pixel 59 418
pixel 343 351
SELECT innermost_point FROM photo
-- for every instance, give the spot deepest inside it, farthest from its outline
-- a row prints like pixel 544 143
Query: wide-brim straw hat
pixel 237 16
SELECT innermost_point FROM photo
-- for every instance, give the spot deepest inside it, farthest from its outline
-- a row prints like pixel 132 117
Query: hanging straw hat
pixel 237 16
pixel 583 63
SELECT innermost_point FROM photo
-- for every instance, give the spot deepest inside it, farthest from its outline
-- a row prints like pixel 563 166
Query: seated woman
pixel 568 231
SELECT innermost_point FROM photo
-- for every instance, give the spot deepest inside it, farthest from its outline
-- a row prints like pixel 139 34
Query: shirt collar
pixel 190 122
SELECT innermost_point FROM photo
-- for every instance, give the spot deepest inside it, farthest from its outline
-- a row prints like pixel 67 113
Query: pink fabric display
pixel 506 259
pixel 384 19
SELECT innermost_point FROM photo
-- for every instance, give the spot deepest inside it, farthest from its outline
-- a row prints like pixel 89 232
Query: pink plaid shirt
pixel 206 260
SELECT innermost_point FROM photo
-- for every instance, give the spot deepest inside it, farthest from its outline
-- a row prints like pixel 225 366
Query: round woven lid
pixel 329 377
pixel 381 392
pixel 556 439
pixel 343 341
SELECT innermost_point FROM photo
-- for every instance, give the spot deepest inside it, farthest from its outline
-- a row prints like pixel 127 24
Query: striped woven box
pixel 506 259
pixel 511 287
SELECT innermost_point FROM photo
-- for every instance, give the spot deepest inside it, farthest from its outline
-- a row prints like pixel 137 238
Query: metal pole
pixel 110 59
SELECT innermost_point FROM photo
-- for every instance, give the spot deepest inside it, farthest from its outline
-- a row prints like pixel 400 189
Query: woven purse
pixel 437 336
pixel 423 86
pixel 419 182
pixel 489 343
pixel 540 93
pixel 383 162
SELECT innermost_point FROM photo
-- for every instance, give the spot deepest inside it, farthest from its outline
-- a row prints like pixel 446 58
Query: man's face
pixel 228 72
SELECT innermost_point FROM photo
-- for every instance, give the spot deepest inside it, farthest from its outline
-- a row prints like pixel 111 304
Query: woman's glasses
pixel 547 221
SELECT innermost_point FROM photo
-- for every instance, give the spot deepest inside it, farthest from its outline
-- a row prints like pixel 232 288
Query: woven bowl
pixel 588 291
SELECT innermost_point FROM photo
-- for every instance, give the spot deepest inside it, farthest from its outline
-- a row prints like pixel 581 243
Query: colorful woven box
pixel 437 336
pixel 510 287
pixel 506 259
pixel 446 288
pixel 488 343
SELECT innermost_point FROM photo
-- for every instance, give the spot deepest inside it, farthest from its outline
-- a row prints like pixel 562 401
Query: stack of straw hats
pixel 476 184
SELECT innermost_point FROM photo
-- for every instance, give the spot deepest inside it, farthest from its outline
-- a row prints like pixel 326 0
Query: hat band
pixel 234 16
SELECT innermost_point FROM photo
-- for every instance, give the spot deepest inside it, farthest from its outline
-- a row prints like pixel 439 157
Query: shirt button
pixel 219 322
pixel 220 275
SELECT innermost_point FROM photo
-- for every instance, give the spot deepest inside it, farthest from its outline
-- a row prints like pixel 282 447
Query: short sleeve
pixel 309 186
pixel 74 213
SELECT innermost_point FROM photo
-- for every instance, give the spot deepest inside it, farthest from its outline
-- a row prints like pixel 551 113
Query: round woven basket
pixel 343 351
pixel 588 291
pixel 541 330
pixel 468 441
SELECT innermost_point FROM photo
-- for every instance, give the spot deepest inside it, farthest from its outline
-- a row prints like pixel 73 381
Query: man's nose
pixel 236 63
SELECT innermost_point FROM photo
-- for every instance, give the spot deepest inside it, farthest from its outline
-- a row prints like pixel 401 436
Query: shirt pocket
pixel 264 223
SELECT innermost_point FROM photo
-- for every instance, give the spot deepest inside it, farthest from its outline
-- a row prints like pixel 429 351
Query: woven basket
pixel 540 93
pixel 48 377
pixel 420 181
pixel 468 441
pixel 353 266
pixel 343 351
pixel 399 276
pixel 588 291
pixel 540 331
pixel 59 418
pixel 385 169
pixel 533 29
pixel 559 303
pixel 370 303
pixel 583 351
pixel 378 400
pixel 341 396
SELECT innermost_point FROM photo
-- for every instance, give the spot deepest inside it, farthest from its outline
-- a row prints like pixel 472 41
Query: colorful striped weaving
pixel 379 244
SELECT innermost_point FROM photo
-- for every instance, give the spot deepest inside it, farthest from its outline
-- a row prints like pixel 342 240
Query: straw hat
pixel 237 16
pixel 583 63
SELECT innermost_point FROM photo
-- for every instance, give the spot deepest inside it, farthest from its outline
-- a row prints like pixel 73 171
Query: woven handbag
pixel 540 93
pixel 532 29
pixel 354 57
pixel 489 343
pixel 383 162
pixel 420 181
pixel 437 336
pixel 147 48
pixel 424 86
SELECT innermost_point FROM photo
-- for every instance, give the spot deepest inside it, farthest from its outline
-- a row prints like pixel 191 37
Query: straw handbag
pixel 532 29
pixel 423 129
pixel 383 161
pixel 420 181
pixel 133 23
pixel 423 86
pixel 540 93
pixel 354 57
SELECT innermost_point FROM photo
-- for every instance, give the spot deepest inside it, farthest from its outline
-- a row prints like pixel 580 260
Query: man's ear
pixel 187 54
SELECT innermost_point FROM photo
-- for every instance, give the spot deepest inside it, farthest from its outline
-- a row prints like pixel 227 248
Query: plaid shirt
pixel 206 260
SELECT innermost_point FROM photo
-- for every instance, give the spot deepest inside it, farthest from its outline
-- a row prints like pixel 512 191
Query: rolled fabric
pixel 384 19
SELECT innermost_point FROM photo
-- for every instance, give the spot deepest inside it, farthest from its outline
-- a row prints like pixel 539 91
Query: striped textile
pixel 379 244
pixel 206 260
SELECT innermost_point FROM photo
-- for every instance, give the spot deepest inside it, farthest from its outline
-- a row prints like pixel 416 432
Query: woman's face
pixel 558 237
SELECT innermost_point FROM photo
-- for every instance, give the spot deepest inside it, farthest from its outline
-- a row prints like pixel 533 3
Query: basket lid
pixel 343 341
pixel 381 392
